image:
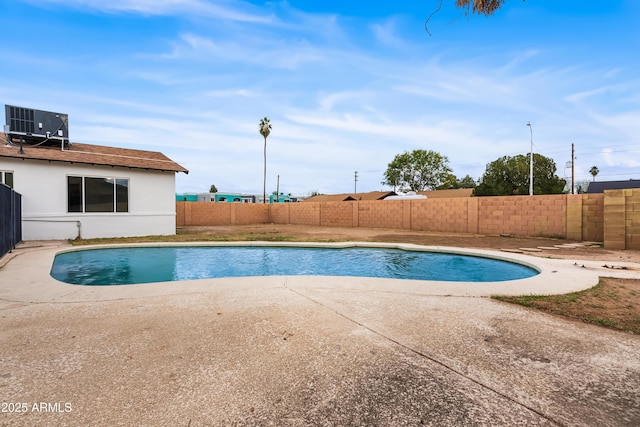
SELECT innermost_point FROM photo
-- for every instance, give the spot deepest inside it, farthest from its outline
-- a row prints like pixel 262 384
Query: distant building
pixel 385 195
pixel 600 186
pixel 224 197
pixel 282 198
pixel 216 197
pixel 448 194
pixel 187 197
pixel 410 195
pixel 349 197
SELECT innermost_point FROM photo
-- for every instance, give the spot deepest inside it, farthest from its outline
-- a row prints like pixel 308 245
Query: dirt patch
pixel 612 303
pixel 277 232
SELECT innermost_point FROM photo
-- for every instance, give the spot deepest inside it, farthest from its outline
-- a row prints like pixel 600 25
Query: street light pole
pixel 531 161
pixel 355 182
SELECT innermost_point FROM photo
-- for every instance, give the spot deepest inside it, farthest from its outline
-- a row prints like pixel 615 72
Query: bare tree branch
pixel 480 7
pixel 426 23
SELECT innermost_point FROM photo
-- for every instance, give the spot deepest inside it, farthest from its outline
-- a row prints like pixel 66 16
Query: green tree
pixel 453 183
pixel 449 182
pixel 509 175
pixel 466 182
pixel 213 189
pixel 265 130
pixel 417 171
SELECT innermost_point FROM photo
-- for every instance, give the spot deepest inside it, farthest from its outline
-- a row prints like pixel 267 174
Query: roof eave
pixel 23 157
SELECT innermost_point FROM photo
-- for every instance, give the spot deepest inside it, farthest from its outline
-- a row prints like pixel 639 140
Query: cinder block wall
pixel 202 213
pixel 248 213
pixel 443 215
pixel 523 215
pixel 612 218
pixel 279 213
pixel 337 214
pixel 383 213
pixel 614 222
pixel 304 213
pixel 632 218
pixel 622 219
pixel 593 217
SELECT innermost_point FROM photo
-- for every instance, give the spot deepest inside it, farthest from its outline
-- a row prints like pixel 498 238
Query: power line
pixel 619 174
pixel 610 151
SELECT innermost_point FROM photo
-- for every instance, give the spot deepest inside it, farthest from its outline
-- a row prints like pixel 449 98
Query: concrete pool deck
pixel 557 276
pixel 309 351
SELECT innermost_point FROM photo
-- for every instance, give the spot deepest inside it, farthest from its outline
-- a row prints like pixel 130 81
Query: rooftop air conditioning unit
pixel 36 126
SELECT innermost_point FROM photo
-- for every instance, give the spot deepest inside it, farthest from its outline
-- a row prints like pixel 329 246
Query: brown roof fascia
pixel 329 198
pixel 94 155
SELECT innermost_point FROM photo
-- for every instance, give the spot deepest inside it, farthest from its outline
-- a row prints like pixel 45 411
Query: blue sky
pixel 347 85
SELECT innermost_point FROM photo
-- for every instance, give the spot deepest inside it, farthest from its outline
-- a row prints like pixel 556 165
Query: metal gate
pixel 10 219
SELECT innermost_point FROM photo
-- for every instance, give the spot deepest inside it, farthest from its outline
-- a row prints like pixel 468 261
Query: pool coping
pixel 25 277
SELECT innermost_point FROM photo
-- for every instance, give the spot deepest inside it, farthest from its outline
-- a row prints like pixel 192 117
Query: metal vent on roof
pixel 37 126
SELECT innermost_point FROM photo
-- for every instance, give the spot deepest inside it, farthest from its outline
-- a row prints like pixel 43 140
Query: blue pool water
pixel 120 266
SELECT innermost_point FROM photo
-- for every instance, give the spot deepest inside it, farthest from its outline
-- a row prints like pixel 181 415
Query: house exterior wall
pixel 43 186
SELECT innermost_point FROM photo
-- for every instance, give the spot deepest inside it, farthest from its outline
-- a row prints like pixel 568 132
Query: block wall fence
pixel 612 217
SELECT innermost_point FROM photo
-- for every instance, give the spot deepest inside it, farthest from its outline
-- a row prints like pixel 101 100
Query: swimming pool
pixel 131 265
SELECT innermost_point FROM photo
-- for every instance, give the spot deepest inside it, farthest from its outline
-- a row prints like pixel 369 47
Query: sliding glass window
pixel 122 195
pixel 92 194
pixel 74 194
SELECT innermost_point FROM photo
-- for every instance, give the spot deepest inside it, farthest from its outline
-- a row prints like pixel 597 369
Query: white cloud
pixel 230 93
pixel 386 33
pixel 242 50
pixel 221 10
pixel 621 158
pixel 344 94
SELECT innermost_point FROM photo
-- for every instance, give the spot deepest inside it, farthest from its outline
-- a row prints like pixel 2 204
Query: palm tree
pixel 485 7
pixel 594 171
pixel 265 130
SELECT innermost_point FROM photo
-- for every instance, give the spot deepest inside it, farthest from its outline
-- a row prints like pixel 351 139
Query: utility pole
pixel 278 190
pixel 355 182
pixel 573 168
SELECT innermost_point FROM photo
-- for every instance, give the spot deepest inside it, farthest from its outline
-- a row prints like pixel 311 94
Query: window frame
pixel 81 202
pixel 3 178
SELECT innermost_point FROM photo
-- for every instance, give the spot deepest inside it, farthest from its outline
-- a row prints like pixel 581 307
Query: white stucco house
pixel 89 191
